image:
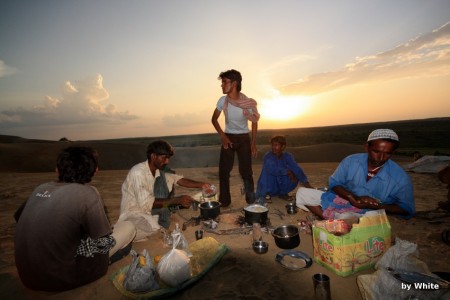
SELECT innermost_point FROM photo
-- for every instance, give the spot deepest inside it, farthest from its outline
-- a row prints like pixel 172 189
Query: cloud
pixel 288 61
pixel 186 120
pixel 425 56
pixel 82 102
pixel 6 70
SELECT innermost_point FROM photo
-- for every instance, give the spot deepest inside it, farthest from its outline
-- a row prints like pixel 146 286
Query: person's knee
pixel 124 233
pixel 130 228
pixel 125 230
pixel 127 226
pixel 308 197
pixel 301 196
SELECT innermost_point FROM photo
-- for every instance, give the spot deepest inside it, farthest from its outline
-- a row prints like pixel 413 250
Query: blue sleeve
pixel 401 193
pixel 294 168
pixel 406 200
pixel 338 176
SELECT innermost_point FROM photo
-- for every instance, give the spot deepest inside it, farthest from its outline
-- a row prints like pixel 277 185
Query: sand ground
pixel 241 274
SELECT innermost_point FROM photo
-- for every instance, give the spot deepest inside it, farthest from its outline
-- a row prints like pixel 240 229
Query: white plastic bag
pixel 174 267
pixel 383 285
pixel 183 243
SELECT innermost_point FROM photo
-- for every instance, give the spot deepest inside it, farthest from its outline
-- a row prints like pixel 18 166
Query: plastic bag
pixel 174 267
pixel 182 243
pixel 383 285
pixel 141 275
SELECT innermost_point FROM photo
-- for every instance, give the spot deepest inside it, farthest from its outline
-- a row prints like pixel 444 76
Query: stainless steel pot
pixel 255 213
pixel 286 236
pixel 209 209
pixel 291 208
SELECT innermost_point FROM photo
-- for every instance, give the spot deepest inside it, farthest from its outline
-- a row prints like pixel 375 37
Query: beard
pixel 376 163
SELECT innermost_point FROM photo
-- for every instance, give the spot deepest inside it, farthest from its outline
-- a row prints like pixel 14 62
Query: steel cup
pixel 321 287
pixel 199 234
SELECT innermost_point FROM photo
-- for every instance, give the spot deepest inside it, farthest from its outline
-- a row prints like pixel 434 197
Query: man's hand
pixel 226 143
pixel 292 176
pixel 254 150
pixel 364 202
pixel 369 202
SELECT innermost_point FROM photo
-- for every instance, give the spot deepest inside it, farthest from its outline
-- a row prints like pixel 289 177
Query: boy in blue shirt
pixel 280 174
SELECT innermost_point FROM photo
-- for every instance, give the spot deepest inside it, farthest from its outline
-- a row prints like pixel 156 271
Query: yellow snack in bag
pixel 157 259
pixel 142 260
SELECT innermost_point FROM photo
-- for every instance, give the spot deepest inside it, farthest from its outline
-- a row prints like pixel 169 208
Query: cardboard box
pixel 355 251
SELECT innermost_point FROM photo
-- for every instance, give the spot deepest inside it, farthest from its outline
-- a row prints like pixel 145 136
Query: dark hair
pixel 233 75
pixel 77 164
pixel 159 147
pixel 396 143
pixel 278 139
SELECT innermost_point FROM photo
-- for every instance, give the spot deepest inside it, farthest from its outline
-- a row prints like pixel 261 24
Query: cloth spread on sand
pixel 429 164
pixel 247 105
pixel 205 256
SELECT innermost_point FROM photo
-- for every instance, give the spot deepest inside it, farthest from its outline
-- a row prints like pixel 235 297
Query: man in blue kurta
pixel 365 181
pixel 280 173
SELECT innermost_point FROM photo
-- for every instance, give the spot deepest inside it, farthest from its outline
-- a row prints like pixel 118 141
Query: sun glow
pixel 283 108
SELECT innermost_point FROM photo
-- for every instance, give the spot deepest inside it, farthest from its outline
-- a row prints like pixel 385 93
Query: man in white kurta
pixel 138 190
pixel 138 198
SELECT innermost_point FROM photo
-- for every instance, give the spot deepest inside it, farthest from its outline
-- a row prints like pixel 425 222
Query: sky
pixel 101 69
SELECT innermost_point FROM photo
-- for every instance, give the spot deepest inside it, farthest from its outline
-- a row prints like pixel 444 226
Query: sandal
pixel 121 253
pixel 286 197
pixel 446 236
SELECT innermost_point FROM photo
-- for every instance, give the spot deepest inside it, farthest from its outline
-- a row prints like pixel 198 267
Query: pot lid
pixel 209 204
pixel 256 208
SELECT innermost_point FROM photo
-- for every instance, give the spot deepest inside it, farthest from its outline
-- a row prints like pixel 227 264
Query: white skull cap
pixel 383 134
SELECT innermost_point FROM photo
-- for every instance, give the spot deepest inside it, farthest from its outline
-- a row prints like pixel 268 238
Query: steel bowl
pixel 260 247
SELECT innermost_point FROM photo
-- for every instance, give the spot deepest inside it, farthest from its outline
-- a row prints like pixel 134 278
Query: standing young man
pixel 238 110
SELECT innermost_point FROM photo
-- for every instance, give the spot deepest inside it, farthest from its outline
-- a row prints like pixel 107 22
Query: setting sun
pixel 284 107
